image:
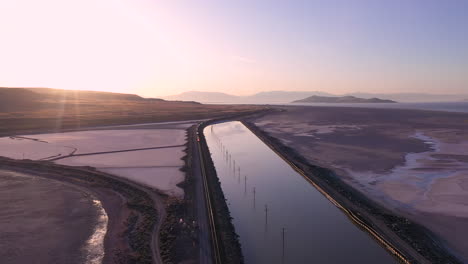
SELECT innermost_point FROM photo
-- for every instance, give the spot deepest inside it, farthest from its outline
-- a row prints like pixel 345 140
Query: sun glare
pixel 158 48
pixel 84 45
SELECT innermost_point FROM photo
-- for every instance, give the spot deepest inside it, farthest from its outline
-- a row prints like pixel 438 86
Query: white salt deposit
pixel 425 182
pixel 143 158
pixel 111 140
pixel 164 178
pixel 18 148
pixel 158 168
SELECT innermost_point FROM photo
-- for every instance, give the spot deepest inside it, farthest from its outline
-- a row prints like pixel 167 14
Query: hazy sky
pixel 157 48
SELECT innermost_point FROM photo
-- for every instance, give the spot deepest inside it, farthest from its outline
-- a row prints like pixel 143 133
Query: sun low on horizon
pixel 159 48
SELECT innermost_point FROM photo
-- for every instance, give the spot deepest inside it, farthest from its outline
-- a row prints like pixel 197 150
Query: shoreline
pixel 363 212
pixel 57 208
pixel 225 243
pixel 121 200
pixel 227 246
pixel 358 207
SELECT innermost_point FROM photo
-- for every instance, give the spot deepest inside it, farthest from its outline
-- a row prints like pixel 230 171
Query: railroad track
pixel 209 206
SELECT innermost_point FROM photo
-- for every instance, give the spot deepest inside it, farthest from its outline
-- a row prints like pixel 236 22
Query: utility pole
pixel 254 197
pixel 282 258
pixel 245 184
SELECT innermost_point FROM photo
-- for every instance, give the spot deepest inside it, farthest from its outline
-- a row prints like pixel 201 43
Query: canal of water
pixel 278 215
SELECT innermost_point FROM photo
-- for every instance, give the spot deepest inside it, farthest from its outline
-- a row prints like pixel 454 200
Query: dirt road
pixel 200 203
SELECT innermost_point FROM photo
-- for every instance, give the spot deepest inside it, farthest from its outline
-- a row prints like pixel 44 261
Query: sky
pixel 158 48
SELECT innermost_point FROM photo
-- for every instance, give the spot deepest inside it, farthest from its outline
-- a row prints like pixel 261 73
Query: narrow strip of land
pixel 201 208
pixel 113 151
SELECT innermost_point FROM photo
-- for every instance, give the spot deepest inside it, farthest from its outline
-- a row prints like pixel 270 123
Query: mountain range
pixel 341 99
pixel 281 97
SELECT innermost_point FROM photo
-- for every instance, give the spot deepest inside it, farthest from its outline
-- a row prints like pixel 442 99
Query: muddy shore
pixel 131 209
pixel 33 208
pixel 326 143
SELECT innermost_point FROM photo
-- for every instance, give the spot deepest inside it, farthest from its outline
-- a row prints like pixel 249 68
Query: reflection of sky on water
pixel 315 229
pixel 94 247
pixel 416 176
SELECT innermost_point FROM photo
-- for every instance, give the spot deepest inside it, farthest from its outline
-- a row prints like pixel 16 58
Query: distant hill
pixel 26 111
pixel 14 99
pixel 284 97
pixel 28 94
pixel 62 94
pixel 413 97
pixel 17 95
pixel 271 97
pixel 204 97
pixel 342 99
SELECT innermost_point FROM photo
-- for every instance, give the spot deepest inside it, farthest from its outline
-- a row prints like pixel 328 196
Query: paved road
pixel 200 203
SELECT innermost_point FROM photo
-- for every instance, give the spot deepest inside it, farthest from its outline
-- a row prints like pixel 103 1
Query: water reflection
pixel 296 224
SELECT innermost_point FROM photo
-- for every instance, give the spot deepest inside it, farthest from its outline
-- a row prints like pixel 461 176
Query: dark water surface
pixel 265 195
pixel 435 106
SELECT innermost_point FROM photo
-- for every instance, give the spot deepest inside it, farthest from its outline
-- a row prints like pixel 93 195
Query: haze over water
pixel 315 230
pixel 434 106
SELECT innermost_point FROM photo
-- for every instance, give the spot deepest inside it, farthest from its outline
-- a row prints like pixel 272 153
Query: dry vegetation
pixel 25 111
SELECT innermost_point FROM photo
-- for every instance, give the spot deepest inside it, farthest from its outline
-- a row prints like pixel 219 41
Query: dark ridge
pixel 61 94
pixel 20 99
pixel 343 99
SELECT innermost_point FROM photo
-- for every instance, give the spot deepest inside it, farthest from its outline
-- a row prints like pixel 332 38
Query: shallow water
pixel 47 221
pixel 265 195
pixel 94 246
pixel 434 106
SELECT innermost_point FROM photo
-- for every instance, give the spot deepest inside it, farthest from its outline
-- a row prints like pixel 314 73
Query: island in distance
pixel 342 99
